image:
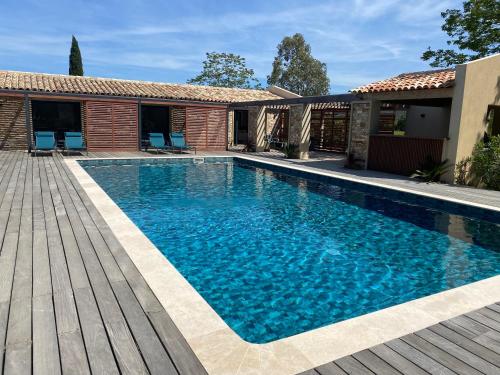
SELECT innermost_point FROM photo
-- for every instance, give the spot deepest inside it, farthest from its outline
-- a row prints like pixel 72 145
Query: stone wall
pixel 295 124
pixel 360 132
pixel 12 124
pixel 272 117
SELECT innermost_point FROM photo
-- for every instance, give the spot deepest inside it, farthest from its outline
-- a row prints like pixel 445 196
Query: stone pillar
pixel 359 135
pixel 257 127
pixel 300 128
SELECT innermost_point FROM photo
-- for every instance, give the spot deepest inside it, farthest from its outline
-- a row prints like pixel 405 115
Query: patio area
pixel 72 301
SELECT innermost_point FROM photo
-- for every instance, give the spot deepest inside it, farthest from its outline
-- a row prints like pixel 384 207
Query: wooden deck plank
pixel 374 363
pixel 181 354
pixel 7 189
pixel 18 348
pixel 8 254
pixel 71 344
pixel 98 347
pixel 494 307
pixel 46 360
pixel 438 353
pixel 330 369
pixel 492 314
pixel 484 320
pixel 352 366
pixel 309 372
pixel 396 360
pixel 125 349
pixel 156 357
pixel 467 349
pixel 417 357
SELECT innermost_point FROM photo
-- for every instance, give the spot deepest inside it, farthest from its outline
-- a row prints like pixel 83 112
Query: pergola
pixel 300 115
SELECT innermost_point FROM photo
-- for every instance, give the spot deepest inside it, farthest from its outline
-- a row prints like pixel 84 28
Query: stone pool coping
pixel 222 351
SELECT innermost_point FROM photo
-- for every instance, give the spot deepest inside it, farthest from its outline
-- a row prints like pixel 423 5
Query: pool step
pixel 198 160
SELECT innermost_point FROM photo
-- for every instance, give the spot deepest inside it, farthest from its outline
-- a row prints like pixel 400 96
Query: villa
pixel 133 254
pixel 445 113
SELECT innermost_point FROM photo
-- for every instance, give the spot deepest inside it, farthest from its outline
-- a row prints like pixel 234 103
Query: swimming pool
pixel 277 254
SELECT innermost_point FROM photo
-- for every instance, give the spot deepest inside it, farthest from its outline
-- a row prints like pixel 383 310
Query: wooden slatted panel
pixel 216 129
pixel 329 129
pixel 125 126
pixel 12 124
pixel 178 119
pixel 196 127
pixel 386 120
pixel 111 126
pixel 316 130
pixel 281 130
pixel 401 155
pixel 99 126
pixel 340 130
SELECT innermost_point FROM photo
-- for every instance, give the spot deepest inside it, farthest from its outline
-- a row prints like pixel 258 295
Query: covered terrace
pixel 316 123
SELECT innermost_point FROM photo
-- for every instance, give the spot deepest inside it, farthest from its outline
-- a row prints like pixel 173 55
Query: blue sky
pixel 360 41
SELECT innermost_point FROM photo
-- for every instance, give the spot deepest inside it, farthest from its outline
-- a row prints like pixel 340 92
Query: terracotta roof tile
pixel 55 83
pixel 430 79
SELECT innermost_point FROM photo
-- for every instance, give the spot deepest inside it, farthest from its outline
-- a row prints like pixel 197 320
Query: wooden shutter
pixel 206 128
pixel 216 129
pixel 111 126
pixel 178 119
pixel 329 129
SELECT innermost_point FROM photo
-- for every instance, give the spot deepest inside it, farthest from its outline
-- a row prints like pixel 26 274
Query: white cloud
pixel 357 39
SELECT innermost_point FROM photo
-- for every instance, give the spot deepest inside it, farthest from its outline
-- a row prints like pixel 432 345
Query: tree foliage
pixel 473 31
pixel 226 70
pixel 485 162
pixel 295 69
pixel 75 59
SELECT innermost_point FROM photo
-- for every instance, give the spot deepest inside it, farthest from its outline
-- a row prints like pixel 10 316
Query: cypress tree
pixel 75 59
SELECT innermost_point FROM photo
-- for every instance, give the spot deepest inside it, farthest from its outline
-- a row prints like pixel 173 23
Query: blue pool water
pixel 276 254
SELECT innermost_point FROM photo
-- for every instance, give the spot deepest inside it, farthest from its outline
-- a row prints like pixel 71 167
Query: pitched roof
pixel 58 83
pixel 430 79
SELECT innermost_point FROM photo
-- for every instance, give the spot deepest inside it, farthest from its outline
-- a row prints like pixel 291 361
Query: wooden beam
pixel 114 98
pixel 342 98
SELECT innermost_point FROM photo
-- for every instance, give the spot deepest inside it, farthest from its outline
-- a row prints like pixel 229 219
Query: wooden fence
pixel 401 155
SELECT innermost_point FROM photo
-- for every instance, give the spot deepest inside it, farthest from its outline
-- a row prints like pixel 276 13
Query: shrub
pixel 462 171
pixel 485 163
pixel 431 170
pixel 290 150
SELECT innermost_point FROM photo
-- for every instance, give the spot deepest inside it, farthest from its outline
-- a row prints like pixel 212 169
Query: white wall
pixel 427 122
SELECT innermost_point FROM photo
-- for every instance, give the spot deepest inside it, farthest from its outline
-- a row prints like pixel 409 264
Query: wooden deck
pixel 468 344
pixel 71 300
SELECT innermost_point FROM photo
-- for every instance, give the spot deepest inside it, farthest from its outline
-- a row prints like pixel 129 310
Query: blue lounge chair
pixel 157 141
pixel 178 142
pixel 73 141
pixel 44 141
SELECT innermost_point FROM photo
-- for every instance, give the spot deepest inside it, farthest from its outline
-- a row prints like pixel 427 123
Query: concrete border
pixel 222 351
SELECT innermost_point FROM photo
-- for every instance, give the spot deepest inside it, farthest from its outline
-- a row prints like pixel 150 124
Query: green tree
pixel 75 59
pixel 225 70
pixel 296 70
pixel 473 31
